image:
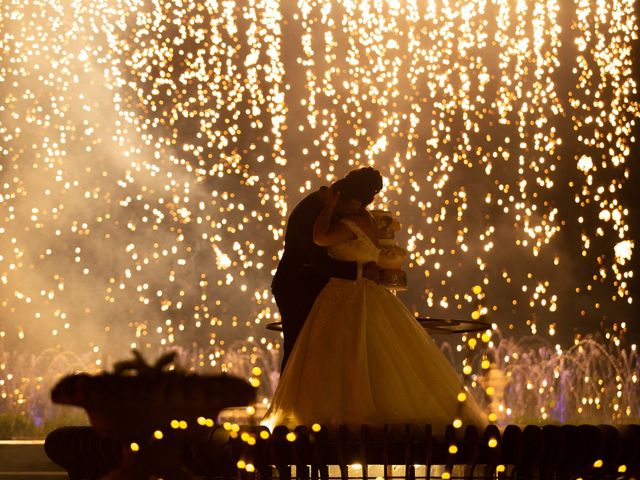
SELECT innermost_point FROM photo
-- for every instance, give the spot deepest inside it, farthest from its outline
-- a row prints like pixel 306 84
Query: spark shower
pixel 151 151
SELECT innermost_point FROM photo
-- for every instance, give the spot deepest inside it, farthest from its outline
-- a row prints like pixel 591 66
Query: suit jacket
pixel 305 267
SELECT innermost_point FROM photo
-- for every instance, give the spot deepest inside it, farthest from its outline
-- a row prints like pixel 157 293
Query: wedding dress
pixel 362 358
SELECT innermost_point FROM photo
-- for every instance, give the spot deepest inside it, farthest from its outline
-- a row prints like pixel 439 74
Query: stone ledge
pixel 26 459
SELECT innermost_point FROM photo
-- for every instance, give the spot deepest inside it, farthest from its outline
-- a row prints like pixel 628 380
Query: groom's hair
pixel 362 184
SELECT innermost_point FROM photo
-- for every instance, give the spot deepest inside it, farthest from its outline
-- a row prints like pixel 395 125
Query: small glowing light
pixel 158 435
pixel 457 423
pixel 291 437
pixel 316 427
pixel 492 443
pixel 585 163
pixel 598 463
pixel 462 397
pixel 134 447
pixel 453 449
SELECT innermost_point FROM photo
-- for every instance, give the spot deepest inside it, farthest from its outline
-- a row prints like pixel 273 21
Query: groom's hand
pixel 371 271
pixel 330 197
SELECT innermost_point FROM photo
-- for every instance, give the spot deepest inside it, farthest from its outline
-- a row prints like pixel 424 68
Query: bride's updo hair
pixel 362 184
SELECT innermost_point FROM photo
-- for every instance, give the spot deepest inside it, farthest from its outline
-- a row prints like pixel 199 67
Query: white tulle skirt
pixel 362 358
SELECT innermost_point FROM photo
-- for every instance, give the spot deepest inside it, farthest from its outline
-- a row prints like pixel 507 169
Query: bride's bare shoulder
pixel 365 221
pixel 362 217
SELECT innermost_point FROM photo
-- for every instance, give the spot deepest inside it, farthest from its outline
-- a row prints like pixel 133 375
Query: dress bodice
pixel 359 249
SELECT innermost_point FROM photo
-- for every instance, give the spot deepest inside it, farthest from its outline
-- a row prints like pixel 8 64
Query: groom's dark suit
pixel 305 268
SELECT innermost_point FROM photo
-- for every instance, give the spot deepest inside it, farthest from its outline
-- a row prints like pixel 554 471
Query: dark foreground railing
pixel 546 453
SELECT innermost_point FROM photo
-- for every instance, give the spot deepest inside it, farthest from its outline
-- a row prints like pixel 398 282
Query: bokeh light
pixel 151 152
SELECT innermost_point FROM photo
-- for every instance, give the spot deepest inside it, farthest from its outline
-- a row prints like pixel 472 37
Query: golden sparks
pixel 151 152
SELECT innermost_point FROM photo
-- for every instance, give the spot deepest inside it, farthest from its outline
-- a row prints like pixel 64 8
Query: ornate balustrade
pixel 532 452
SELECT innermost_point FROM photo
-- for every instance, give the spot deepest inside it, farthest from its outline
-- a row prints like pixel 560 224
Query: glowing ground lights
pixel 151 151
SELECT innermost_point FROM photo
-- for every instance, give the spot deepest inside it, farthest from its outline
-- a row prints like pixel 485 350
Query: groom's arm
pixel 300 237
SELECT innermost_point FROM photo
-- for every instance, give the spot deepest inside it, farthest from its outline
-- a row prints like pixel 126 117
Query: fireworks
pixel 151 152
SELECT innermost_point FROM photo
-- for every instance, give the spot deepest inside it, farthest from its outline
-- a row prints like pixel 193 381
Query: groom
pixel 305 268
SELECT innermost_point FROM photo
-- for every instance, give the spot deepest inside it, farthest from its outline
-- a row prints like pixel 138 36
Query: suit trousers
pixel 294 304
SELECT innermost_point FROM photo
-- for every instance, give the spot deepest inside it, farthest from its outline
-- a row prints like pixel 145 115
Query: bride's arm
pixel 326 232
pixel 364 219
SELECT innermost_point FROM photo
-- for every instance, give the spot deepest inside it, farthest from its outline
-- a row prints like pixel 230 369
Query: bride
pixel 361 357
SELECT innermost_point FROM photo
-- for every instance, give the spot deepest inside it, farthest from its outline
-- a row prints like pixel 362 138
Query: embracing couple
pixel 353 353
